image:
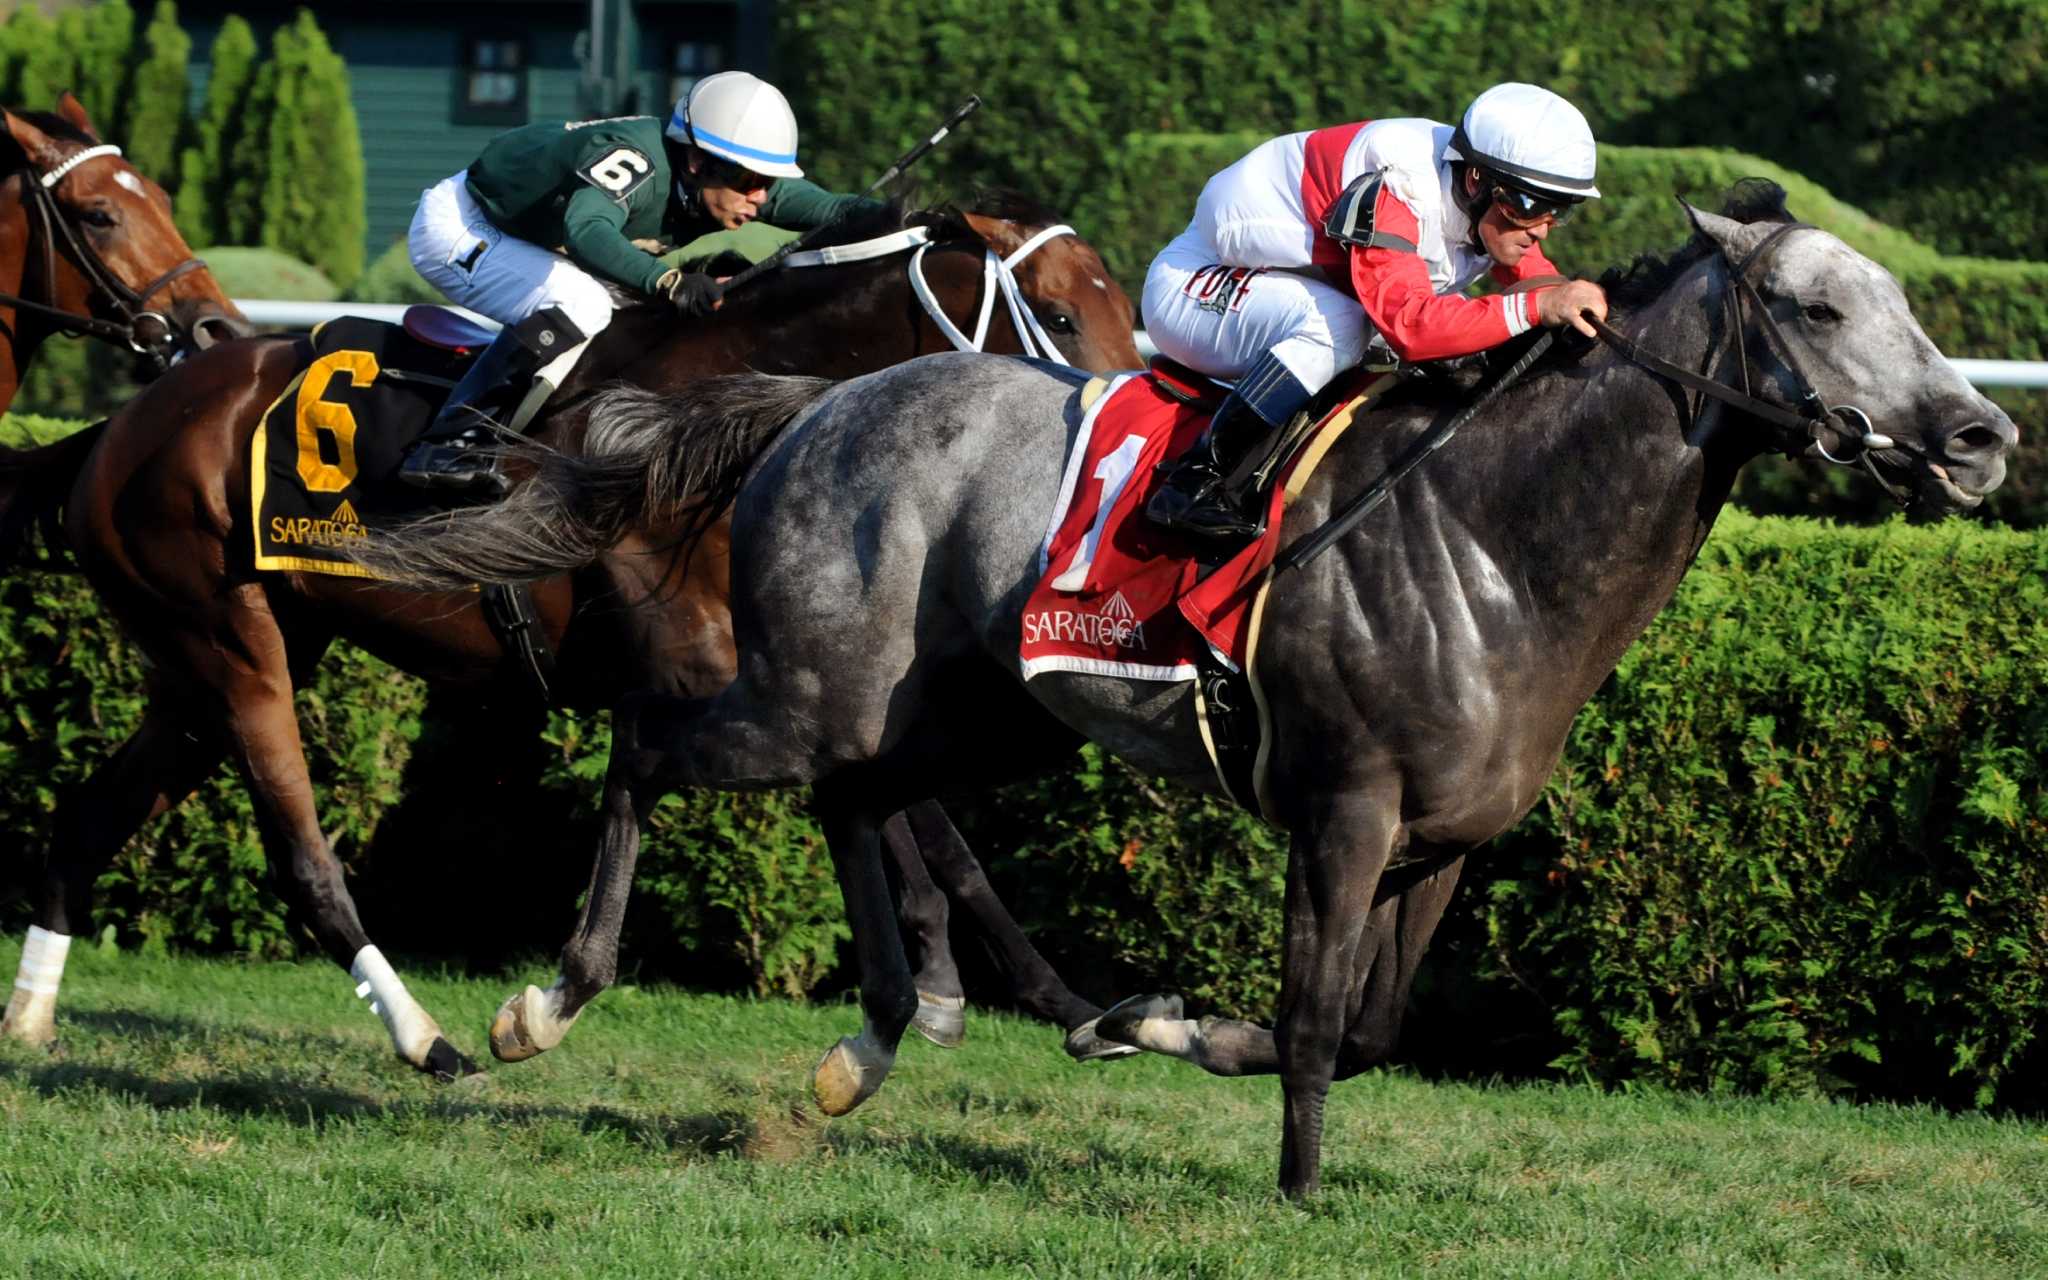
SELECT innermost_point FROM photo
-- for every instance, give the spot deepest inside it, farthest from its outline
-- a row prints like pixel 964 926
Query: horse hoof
pixel 1122 1021
pixel 843 1081
pixel 445 1062
pixel 1084 1045
pixel 941 1019
pixel 525 1027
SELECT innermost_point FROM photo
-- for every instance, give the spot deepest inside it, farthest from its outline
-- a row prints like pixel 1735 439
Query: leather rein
pixel 132 306
pixel 1812 424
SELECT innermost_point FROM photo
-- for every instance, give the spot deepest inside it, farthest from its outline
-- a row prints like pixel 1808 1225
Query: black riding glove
pixel 694 294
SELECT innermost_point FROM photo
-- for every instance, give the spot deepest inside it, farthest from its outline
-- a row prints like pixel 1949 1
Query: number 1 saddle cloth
pixel 327 451
pixel 1119 596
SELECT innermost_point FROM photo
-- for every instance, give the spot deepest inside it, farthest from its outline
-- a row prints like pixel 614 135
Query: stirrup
pixel 459 462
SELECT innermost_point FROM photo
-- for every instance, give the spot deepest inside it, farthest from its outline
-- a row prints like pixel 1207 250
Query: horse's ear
pixel 999 234
pixel 34 143
pixel 1733 237
pixel 74 111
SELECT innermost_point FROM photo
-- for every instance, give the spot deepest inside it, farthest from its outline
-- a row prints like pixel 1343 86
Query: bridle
pixel 140 327
pixel 1811 423
pixel 998 274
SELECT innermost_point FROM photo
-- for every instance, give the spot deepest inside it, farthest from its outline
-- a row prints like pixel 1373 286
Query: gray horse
pixel 1420 678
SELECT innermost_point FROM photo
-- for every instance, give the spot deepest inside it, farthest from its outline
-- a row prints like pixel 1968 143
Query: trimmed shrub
pixel 311 198
pixel 1927 113
pixel 204 205
pixel 268 273
pixel 391 278
pixel 155 119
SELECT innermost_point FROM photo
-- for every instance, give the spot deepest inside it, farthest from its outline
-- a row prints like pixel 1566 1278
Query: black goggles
pixel 1527 208
pixel 724 173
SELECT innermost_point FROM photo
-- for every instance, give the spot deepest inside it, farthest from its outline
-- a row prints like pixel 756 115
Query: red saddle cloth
pixel 1116 594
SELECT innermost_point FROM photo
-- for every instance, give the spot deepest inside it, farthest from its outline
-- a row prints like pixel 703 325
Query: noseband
pixel 1811 424
pixel 140 328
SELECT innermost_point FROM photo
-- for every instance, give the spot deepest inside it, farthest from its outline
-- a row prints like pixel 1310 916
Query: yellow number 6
pixel 316 415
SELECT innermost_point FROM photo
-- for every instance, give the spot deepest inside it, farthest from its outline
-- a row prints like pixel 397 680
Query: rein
pixel 131 305
pixel 1813 422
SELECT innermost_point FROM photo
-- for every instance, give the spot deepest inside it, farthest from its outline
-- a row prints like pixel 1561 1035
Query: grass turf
pixel 211 1118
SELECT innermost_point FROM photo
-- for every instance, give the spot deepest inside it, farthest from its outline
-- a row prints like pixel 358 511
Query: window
pixel 492 89
pixel 694 59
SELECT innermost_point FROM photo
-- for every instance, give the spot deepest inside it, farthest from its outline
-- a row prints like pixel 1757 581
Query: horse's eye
pixel 1058 322
pixel 1820 313
pixel 97 218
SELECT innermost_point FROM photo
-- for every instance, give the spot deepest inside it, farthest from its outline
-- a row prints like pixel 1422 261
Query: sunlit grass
pixel 210 1118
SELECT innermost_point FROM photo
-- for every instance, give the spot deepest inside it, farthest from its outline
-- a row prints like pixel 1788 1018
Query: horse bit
pixel 132 306
pixel 1813 422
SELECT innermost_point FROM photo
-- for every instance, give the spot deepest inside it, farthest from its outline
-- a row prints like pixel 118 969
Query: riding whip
pixel 1429 442
pixel 894 171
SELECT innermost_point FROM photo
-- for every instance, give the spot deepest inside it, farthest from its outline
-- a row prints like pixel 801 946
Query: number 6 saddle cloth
pixel 326 454
pixel 1119 596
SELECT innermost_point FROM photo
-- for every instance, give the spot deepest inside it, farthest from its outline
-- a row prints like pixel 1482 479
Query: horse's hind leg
pixel 159 765
pixel 254 680
pixel 854 1068
pixel 1035 985
pixel 922 911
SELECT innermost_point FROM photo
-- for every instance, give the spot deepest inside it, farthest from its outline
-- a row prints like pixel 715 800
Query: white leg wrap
pixel 1174 1037
pixel 42 962
pixel 412 1031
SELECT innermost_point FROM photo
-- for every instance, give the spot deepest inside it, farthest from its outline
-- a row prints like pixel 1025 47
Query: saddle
pixel 325 457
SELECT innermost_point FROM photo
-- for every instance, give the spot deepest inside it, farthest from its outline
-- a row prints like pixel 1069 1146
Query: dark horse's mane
pixel 1751 200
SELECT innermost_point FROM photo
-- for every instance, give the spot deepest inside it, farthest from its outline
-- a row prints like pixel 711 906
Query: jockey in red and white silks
pixel 1318 246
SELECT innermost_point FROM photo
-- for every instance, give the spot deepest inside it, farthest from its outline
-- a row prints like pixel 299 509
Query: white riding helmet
pixel 1531 137
pixel 742 118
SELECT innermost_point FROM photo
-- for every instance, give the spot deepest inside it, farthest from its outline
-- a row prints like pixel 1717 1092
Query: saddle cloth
pixel 1116 594
pixel 328 448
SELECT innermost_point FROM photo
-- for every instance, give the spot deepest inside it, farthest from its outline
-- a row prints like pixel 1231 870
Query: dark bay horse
pixel 1420 678
pixel 87 246
pixel 155 511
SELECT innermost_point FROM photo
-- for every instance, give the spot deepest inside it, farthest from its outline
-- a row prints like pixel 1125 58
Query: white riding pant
pixel 456 249
pixel 1219 319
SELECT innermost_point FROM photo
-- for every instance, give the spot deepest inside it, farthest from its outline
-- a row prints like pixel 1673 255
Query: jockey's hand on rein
pixel 1568 303
pixel 692 294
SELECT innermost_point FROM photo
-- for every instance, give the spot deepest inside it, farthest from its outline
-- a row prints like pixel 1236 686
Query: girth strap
pixel 516 624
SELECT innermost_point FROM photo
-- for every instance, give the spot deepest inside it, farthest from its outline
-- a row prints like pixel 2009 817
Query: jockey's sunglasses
pixel 724 173
pixel 1526 208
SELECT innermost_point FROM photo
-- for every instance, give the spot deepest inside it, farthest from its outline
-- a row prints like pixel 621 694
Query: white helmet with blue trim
pixel 741 118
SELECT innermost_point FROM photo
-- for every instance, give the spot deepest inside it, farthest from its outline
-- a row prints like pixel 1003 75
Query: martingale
pixel 329 446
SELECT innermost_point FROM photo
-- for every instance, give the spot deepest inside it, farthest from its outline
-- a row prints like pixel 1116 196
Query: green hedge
pixel 1796 843
pixel 1931 114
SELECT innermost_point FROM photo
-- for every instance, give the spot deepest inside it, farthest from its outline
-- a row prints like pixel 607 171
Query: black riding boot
pixel 499 390
pixel 1208 492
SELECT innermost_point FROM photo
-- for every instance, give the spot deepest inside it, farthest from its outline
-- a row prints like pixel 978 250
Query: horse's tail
pixel 33 486
pixel 652 461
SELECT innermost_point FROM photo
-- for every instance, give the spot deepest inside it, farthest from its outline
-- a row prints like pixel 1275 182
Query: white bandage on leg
pixel 42 961
pixel 412 1031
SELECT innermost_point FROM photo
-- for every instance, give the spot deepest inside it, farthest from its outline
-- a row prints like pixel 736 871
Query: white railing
pixel 1983 373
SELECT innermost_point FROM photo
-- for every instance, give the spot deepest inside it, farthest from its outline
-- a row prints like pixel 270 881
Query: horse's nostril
pixel 1976 438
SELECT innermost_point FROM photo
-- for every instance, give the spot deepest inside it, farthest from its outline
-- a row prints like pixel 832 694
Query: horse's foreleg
pixel 158 766
pixel 263 732
pixel 534 1021
pixel 1397 936
pixel 854 1068
pixel 1333 871
pixel 923 914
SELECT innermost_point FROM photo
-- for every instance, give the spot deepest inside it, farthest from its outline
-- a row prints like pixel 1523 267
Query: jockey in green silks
pixel 608 193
